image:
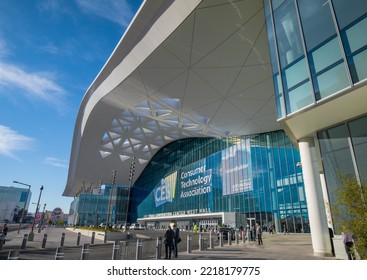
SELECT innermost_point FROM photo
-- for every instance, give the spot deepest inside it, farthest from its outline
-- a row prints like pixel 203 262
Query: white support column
pixel 315 202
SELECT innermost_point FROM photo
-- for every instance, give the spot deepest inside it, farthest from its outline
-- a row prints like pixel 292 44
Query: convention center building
pixel 213 112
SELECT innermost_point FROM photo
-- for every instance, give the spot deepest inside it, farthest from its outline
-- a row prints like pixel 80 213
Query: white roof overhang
pixel 182 69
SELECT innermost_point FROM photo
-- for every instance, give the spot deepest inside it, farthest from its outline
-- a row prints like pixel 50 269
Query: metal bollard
pixel 247 235
pixel 13 255
pixel 85 252
pixel 243 236
pixel 202 243
pixel 237 237
pixel 211 241
pixel 78 239
pixel 44 240
pixel 59 253
pixel 116 250
pixel 105 237
pixel 24 242
pixel 221 239
pixel 62 239
pixel 139 249
pixel 158 254
pixel 189 239
pixel 229 236
pixel 93 236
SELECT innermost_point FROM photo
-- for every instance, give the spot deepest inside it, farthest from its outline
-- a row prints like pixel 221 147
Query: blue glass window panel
pixel 325 55
pixel 288 33
pixel 358 66
pixel 333 139
pixel 277 3
pixel 315 14
pixel 348 11
pixel 299 97
pixel 331 81
pixel 296 73
pixel 279 96
pixel 272 46
pixel 359 140
pixel 356 36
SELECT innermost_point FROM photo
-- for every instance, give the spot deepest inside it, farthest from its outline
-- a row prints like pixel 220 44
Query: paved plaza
pixel 275 246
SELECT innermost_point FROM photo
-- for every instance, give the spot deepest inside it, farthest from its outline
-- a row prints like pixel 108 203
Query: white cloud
pixel 118 11
pixel 56 162
pixel 11 142
pixel 38 85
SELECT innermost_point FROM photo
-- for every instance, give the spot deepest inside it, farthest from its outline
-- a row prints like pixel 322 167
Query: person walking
pixel 4 232
pixel 176 240
pixel 168 242
pixel 348 244
pixel 259 234
pixel 195 229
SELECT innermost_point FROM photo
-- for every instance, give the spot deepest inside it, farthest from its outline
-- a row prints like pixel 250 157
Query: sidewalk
pixel 276 246
pixel 14 240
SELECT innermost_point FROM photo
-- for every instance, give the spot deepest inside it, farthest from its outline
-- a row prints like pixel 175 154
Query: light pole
pixel 131 177
pixel 25 203
pixel 42 218
pixel 109 200
pixel 96 215
pixel 31 234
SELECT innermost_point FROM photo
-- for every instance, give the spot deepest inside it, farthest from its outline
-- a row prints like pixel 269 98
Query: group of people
pixel 254 233
pixel 171 240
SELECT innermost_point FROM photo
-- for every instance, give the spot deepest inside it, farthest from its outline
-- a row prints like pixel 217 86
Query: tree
pixel 350 210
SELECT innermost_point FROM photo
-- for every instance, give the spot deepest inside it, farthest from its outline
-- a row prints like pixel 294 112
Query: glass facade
pixel 253 177
pixel 344 149
pixel 108 204
pixel 12 202
pixel 316 49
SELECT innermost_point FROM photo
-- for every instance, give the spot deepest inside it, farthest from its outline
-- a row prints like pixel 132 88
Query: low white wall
pixel 111 236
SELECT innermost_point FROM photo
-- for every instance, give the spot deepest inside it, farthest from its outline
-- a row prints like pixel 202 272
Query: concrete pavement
pixel 275 246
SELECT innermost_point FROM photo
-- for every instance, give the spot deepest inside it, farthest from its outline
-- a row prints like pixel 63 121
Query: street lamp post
pixel 25 203
pixel 109 200
pixel 96 214
pixel 31 234
pixel 131 177
pixel 42 218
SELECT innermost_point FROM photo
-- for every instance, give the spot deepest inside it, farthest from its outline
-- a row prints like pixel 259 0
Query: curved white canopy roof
pixel 182 69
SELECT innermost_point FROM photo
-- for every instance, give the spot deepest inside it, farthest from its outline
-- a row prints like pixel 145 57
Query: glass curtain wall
pixel 317 48
pixel 107 205
pixel 255 177
pixel 344 149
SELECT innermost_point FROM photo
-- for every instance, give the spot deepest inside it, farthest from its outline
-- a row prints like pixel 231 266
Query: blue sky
pixel 50 52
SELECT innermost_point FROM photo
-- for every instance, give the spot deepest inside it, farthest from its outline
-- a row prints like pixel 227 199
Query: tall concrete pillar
pixel 315 202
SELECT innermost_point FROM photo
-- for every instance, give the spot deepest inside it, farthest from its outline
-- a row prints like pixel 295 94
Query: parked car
pixel 136 226
pixel 227 231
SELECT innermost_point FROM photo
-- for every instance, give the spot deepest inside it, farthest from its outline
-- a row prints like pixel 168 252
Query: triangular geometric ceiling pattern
pixel 202 81
pixel 152 124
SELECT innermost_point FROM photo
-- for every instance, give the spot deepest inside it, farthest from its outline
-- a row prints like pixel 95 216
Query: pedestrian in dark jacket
pixel 176 240
pixel 168 242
